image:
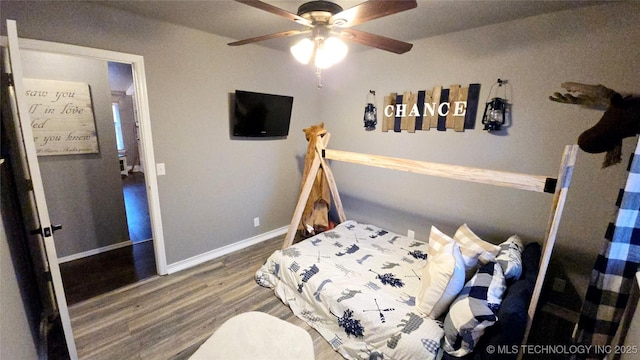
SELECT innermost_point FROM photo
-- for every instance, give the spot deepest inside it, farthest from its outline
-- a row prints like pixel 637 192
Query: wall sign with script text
pixel 61 117
pixel 453 108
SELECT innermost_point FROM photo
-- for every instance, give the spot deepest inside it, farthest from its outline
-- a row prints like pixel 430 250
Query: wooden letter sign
pixel 61 117
pixel 454 108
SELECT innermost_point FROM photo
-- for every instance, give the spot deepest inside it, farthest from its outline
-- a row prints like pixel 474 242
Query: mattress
pixel 356 285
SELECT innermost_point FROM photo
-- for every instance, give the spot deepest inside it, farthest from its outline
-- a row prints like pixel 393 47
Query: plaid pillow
pixel 474 249
pixel 510 257
pixel 474 310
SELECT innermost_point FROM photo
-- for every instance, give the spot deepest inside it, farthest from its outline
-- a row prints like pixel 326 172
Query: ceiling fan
pixel 327 22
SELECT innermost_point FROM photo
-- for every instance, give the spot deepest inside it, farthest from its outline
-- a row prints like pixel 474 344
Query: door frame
pixel 142 107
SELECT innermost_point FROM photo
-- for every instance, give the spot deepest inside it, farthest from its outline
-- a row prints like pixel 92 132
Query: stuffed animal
pixel 621 118
pixel 315 217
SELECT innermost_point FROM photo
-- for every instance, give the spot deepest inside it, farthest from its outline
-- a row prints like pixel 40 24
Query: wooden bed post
pixel 318 161
pixel 559 197
pixel 331 181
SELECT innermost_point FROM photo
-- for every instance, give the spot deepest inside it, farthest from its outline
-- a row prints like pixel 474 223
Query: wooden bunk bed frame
pixel 537 183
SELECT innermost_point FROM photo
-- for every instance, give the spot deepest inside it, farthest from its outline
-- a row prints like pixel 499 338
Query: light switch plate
pixel 160 169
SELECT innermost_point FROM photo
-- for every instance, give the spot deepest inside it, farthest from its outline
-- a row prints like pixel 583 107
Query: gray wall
pixel 16 338
pixel 598 44
pixel 83 192
pixel 20 303
pixel 214 186
pixel 18 296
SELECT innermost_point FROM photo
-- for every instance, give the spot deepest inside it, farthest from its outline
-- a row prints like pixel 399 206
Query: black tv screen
pixel 261 115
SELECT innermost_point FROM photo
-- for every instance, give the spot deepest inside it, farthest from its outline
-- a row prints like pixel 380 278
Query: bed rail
pixel 537 183
pixel 492 177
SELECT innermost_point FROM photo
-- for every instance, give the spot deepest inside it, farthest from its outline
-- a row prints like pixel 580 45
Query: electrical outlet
pixel 256 222
pixel 411 234
pixel 559 285
pixel 160 170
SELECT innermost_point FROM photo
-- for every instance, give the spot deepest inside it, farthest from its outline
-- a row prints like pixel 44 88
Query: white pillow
pixel 510 257
pixel 474 249
pixel 442 277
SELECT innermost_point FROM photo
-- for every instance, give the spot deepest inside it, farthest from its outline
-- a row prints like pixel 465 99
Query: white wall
pixel 598 44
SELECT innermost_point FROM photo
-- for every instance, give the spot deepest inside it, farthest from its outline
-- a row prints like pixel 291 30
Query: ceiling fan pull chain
pixel 319 76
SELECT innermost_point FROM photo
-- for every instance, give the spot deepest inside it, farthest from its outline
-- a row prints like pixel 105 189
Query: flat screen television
pixel 261 115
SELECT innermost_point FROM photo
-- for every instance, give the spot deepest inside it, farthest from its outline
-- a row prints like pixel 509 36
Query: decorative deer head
pixel 621 118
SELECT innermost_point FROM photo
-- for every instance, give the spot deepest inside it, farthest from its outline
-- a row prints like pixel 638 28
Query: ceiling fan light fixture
pixel 322 52
pixel 329 52
pixel 340 22
pixel 303 50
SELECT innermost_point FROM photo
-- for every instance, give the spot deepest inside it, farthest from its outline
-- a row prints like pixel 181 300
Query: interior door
pixel 35 212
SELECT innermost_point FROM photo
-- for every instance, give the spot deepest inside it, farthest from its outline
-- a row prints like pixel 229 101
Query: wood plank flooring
pixel 136 205
pixel 168 317
pixel 97 274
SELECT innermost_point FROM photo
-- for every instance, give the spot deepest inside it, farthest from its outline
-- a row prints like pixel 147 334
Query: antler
pixel 620 120
pixel 592 97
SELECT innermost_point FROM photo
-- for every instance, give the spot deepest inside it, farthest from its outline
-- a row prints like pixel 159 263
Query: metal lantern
pixel 495 111
pixel 370 112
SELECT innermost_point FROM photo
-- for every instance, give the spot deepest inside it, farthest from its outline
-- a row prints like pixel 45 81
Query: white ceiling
pixel 237 21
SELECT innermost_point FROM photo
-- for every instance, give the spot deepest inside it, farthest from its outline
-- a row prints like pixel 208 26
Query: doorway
pixel 127 130
pixel 89 276
pixel 34 198
pixel 144 241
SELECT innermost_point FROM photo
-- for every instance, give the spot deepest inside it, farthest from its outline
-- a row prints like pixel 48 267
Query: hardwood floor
pixel 95 275
pixel 168 317
pixel 98 274
pixel 137 207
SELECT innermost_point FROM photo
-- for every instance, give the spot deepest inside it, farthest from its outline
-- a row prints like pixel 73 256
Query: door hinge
pixel 7 78
pixel 29 184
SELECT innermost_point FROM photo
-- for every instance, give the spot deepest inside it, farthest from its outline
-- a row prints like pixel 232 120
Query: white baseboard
pixel 210 255
pixel 97 251
pixel 193 261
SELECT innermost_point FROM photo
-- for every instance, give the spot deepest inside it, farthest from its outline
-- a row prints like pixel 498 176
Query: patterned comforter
pixel 356 285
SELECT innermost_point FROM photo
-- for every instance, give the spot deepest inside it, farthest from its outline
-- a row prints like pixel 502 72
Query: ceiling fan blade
pixel 270 36
pixel 277 11
pixel 370 10
pixel 376 41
